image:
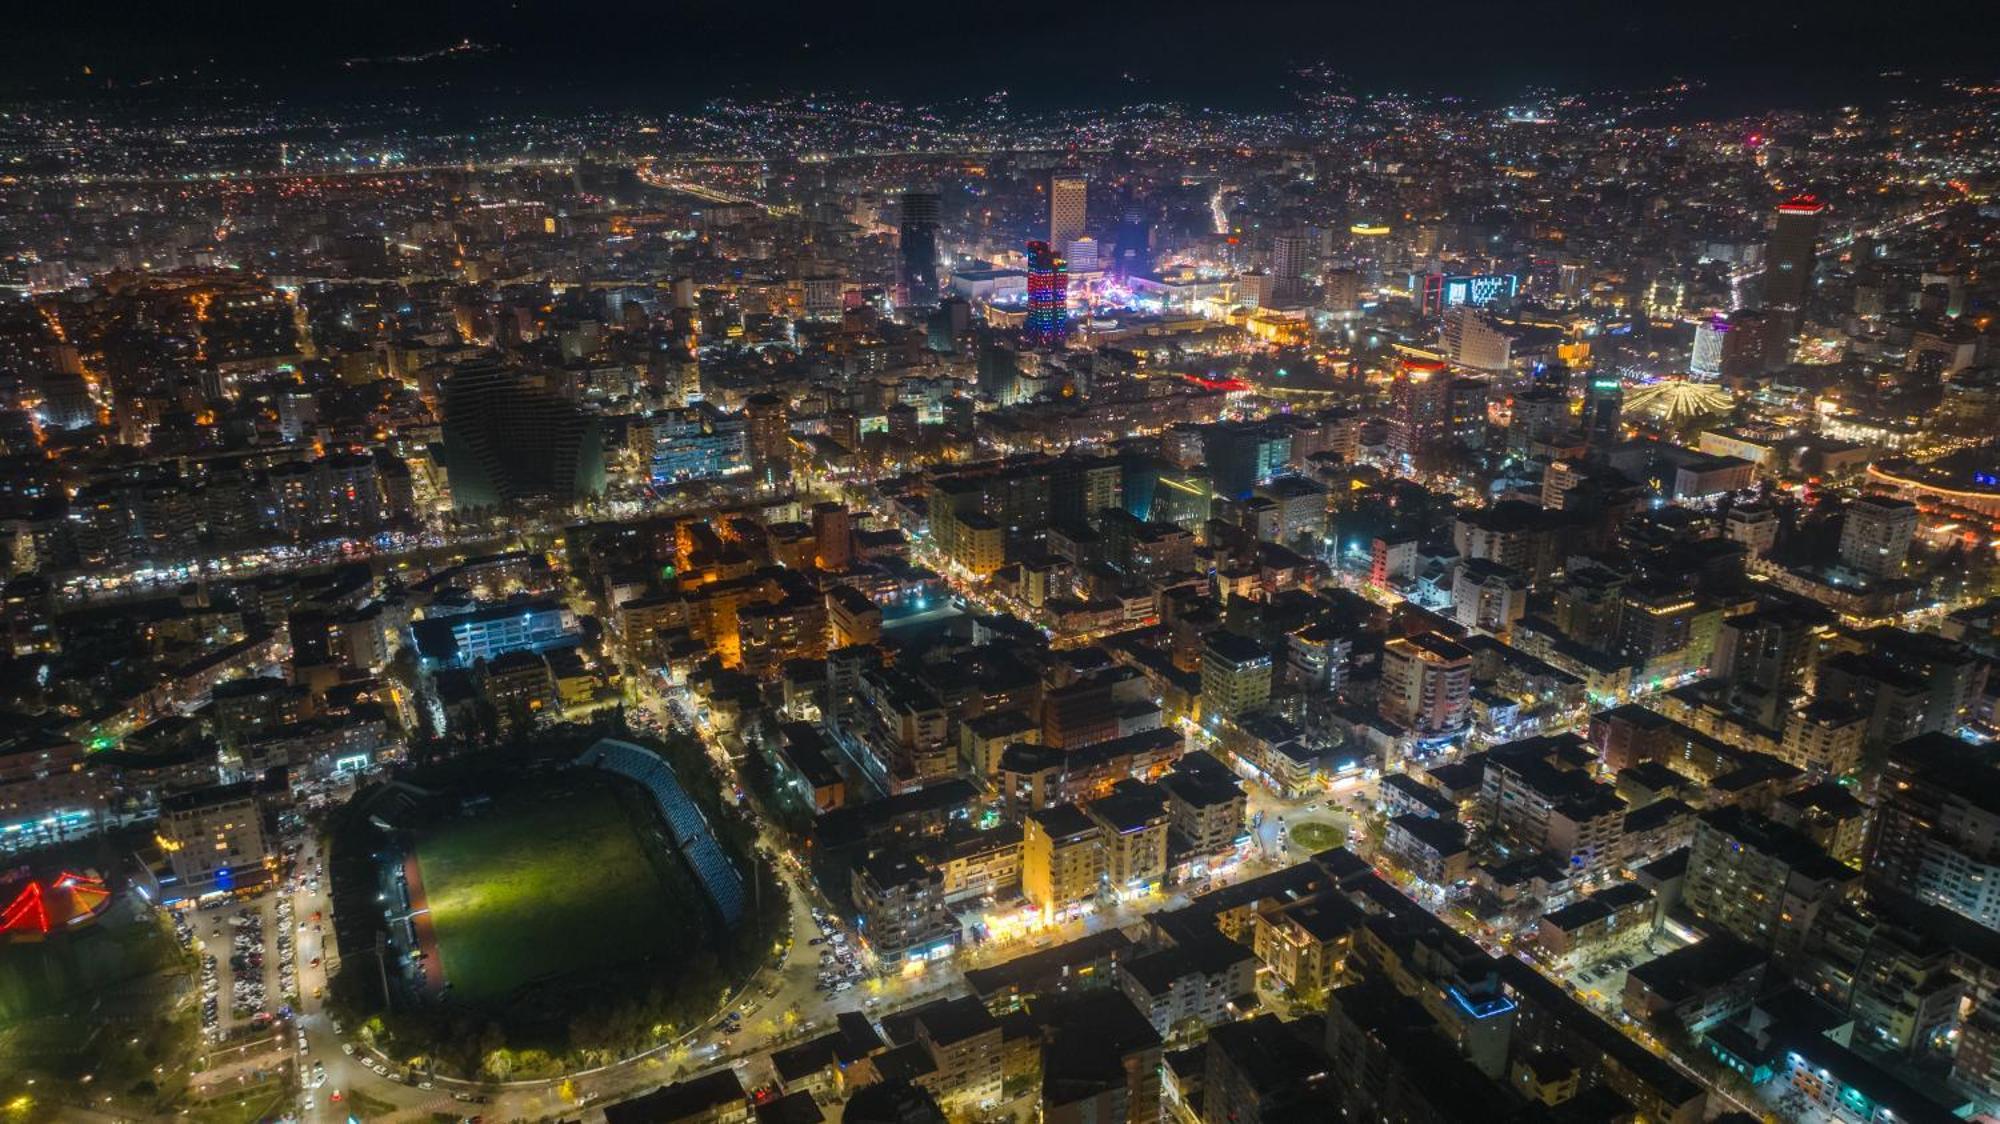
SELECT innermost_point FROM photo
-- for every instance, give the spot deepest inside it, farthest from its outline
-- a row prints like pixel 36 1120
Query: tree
pixel 499 1065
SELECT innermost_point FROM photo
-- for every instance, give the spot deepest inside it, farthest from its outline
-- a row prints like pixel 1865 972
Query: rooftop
pixel 694 1097
pixel 1446 837
pixel 1062 822
pixel 1686 972
pixel 1132 806
pixel 949 1021
pixel 1768 837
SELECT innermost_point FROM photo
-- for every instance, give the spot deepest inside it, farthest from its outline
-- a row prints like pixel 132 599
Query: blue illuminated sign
pixel 1480 291
pixel 1485 1008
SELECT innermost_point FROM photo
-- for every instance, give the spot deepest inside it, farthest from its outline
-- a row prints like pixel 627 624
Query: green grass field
pixel 1317 837
pixel 535 887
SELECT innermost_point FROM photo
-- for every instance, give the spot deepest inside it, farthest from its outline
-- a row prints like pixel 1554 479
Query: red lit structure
pixel 1789 258
pixel 63 902
pixel 1421 397
pixel 1217 384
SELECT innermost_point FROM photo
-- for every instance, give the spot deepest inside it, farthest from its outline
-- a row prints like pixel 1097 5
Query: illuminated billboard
pixel 1442 291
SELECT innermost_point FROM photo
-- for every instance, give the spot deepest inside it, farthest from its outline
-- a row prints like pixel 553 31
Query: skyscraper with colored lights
pixel 1048 297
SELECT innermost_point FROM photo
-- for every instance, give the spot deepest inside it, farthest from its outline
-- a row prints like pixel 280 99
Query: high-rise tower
pixel 1288 264
pixel 1067 209
pixel 508 439
pixel 918 249
pixel 1875 535
pixel 1133 250
pixel 1603 403
pixel 1420 407
pixel 1048 297
pixel 769 432
pixel 1705 363
pixel 1788 257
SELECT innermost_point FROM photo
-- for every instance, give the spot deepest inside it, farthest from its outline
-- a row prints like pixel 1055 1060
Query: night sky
pixel 1210 52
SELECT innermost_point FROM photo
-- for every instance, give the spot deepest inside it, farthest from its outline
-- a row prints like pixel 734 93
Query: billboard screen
pixel 1442 291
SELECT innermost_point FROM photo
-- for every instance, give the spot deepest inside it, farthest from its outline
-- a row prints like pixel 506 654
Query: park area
pixel 92 1011
pixel 538 885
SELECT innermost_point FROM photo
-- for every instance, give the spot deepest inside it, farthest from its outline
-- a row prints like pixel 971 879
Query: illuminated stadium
pixel 1964 483
pixel 63 903
pixel 547 902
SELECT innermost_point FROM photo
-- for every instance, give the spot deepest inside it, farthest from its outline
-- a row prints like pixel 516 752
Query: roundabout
pixel 1314 836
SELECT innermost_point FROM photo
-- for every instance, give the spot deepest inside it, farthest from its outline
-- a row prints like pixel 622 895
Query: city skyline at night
pixel 1150 564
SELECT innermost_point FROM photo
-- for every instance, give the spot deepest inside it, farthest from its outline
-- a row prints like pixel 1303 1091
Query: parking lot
pixel 250 956
pixel 248 963
pixel 1603 981
pixel 840 966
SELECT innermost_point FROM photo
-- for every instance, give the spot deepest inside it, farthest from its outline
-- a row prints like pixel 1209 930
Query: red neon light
pixel 68 878
pixel 1802 205
pixel 1432 365
pixel 26 912
pixel 80 897
pixel 1217 384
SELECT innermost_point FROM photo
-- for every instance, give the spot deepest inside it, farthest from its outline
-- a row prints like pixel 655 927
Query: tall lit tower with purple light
pixel 1710 341
pixel 1048 297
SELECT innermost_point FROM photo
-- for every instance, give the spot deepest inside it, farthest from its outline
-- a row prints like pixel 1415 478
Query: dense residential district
pixel 816 610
